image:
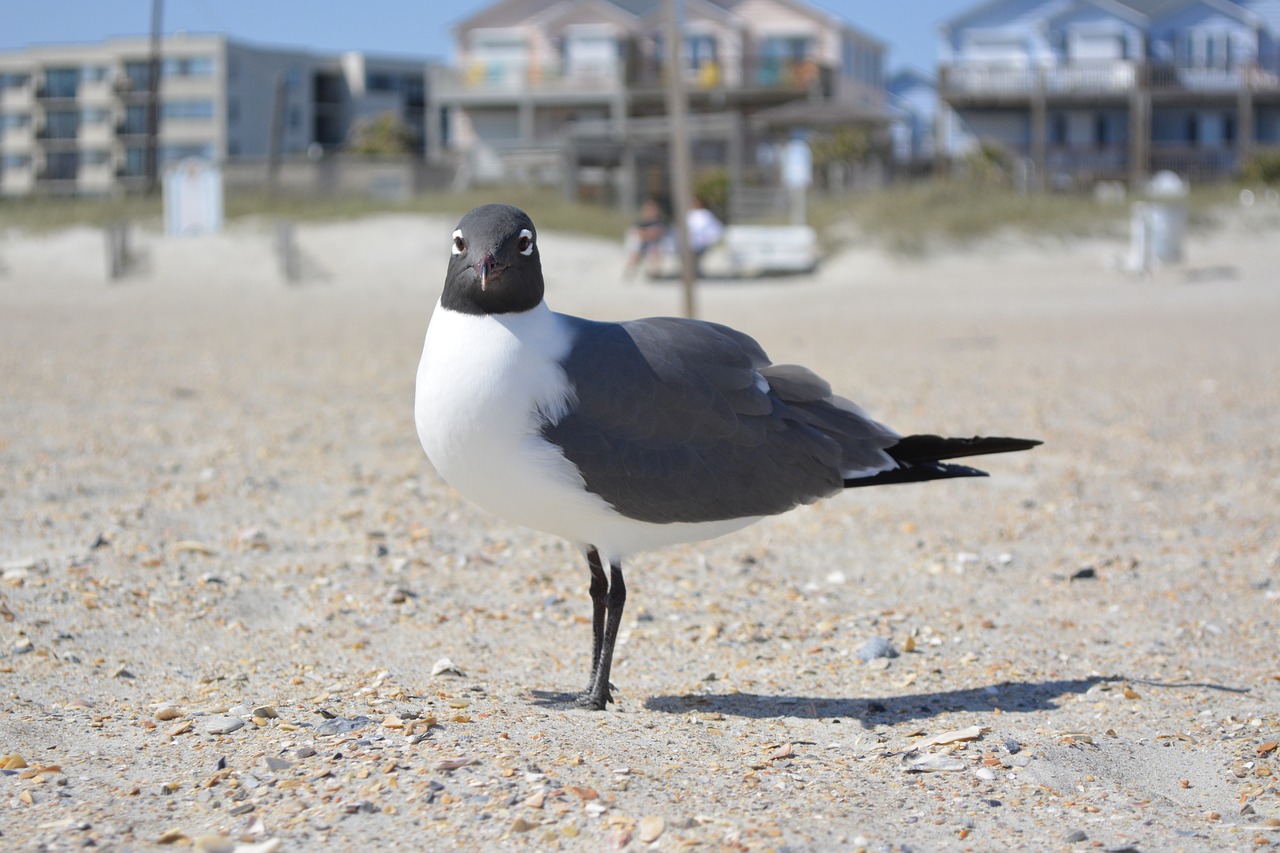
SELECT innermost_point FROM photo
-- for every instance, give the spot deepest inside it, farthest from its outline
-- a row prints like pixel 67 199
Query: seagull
pixel 625 437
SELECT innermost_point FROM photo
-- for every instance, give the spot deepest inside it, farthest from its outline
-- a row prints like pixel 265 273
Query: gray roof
pixel 1150 9
pixel 507 12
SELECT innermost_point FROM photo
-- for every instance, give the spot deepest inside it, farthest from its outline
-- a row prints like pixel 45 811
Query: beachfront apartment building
pixel 563 88
pixel 73 118
pixel 1085 90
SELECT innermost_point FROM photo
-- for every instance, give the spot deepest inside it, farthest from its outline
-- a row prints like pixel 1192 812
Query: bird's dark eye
pixel 459 244
pixel 525 244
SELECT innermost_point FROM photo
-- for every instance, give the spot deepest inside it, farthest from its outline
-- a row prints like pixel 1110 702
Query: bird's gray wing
pixel 684 421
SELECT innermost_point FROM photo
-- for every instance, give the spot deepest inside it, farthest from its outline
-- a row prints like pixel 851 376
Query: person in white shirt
pixel 705 230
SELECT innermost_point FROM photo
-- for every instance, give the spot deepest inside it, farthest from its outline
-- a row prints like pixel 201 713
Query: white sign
pixel 797 165
pixel 192 198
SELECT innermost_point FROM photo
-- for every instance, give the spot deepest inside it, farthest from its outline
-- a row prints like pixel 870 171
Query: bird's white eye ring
pixel 459 244
pixel 525 245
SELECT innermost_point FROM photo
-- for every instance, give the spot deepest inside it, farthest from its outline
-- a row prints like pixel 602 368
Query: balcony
pixel 479 78
pixel 1010 82
pixel 95 93
pixel 758 73
pixel 496 81
pixel 57 136
pixel 1196 162
pixel 97 133
pixel 18 98
pixel 1017 83
pixel 14 139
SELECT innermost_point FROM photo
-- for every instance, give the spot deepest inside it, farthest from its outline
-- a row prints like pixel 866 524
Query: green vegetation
pixel 712 186
pixel 911 219
pixel 1263 168
pixel 848 146
pixel 384 136
pixel 549 209
pixel 908 218
pixel 50 214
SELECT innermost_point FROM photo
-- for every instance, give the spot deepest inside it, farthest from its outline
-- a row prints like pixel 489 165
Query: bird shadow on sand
pixel 556 700
pixel 1010 697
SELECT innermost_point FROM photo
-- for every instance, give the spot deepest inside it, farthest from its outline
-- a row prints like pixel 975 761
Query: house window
pixel 135 120
pixel 199 109
pixel 499 53
pixel 1204 49
pixel 61 82
pixel 1193 129
pixel 14 80
pixel 188 66
pixel 1059 130
pixel 61 124
pixel 61 166
pixel 13 121
pixel 795 48
pixel 1229 128
pixel 95 115
pixel 138 74
pixel 1085 46
pixel 860 62
pixel 135 162
pixel 95 157
pixel 15 162
pixel 702 49
pixel 590 48
pixel 995 47
pixel 174 153
pixel 94 73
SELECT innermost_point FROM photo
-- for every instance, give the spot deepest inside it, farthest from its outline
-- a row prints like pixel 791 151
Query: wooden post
pixel 275 142
pixel 1140 129
pixel 151 153
pixel 1244 120
pixel 735 156
pixel 678 144
pixel 1039 131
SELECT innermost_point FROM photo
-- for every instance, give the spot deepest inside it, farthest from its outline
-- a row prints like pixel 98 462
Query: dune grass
pixel 912 219
pixel 550 210
pixel 908 218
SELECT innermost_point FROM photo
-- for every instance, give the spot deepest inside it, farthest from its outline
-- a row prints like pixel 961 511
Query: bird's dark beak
pixel 486 267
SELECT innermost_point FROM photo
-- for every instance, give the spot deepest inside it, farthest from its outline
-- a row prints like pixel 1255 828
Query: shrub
pixel 1262 168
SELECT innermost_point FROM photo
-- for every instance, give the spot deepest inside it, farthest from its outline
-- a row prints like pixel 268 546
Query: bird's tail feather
pixel 919 458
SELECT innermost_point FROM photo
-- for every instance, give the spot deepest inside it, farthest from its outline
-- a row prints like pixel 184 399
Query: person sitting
pixel 646 238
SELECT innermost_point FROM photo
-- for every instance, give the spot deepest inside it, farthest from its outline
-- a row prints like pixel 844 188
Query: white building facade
pixel 73 118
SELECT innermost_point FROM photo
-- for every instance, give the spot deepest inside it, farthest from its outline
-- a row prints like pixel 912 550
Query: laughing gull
pixel 622 437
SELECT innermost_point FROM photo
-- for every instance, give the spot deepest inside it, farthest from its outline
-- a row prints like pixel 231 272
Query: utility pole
pixel 151 161
pixel 678 145
pixel 275 141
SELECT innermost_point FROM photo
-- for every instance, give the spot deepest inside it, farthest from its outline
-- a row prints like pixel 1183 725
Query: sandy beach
pixel 229 570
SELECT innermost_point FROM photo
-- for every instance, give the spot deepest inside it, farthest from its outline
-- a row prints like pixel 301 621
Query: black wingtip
pixel 919 458
pixel 915 474
pixel 933 448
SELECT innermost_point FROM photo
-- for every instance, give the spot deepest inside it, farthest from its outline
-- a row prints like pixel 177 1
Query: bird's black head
pixel 494 266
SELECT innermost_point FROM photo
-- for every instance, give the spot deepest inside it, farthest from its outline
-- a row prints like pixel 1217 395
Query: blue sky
pixel 415 27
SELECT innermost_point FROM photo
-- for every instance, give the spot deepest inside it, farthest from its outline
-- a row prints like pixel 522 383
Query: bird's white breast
pixel 486 384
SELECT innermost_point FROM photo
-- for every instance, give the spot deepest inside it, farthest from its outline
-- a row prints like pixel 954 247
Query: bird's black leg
pixel 599 592
pixel 597 694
